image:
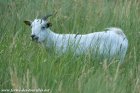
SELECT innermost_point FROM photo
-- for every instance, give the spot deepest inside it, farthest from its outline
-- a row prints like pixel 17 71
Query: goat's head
pixel 39 28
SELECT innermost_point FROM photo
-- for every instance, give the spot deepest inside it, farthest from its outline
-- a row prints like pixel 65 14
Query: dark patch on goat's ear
pixel 28 23
pixel 49 24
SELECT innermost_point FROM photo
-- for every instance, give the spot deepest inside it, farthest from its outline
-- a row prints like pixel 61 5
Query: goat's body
pixel 109 44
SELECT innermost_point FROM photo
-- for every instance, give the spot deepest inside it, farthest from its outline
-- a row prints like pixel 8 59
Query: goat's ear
pixel 28 23
pixel 49 24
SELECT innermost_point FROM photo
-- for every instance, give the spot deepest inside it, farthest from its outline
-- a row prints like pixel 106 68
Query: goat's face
pixel 39 29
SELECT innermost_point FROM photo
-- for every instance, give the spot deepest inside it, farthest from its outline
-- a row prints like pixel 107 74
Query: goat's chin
pixel 36 41
pixel 40 41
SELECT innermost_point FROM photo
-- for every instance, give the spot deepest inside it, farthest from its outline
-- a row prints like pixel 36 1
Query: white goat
pixel 110 43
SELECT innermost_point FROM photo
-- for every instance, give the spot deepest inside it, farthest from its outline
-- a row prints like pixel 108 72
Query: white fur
pixel 109 43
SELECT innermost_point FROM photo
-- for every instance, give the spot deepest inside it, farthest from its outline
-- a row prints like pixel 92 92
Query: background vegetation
pixel 26 65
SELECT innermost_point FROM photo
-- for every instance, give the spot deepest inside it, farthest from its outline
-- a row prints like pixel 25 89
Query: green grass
pixel 26 65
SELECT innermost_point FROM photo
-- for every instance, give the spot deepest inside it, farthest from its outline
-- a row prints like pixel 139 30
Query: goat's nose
pixel 32 36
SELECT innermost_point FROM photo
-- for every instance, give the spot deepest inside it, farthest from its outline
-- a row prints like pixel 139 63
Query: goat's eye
pixel 43 27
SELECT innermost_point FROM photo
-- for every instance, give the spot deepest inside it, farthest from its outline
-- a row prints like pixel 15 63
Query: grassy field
pixel 27 65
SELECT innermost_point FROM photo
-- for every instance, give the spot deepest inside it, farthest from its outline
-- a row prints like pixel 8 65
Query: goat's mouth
pixel 35 39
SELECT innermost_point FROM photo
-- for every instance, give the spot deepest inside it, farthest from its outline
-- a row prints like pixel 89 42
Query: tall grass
pixel 26 65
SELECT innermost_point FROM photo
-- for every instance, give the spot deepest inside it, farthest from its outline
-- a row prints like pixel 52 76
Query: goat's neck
pixel 50 38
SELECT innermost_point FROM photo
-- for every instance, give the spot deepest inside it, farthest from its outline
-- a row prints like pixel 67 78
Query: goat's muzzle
pixel 34 37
